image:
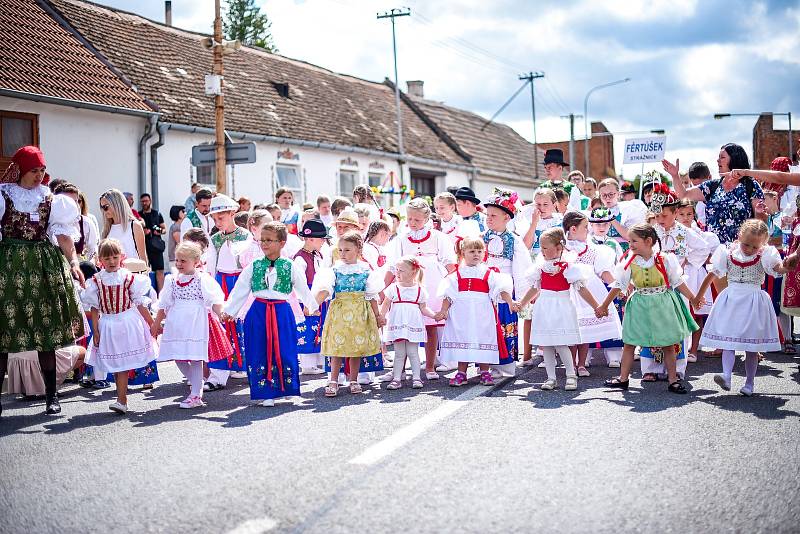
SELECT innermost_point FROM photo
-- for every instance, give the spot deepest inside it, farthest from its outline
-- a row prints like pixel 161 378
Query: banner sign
pixel 645 149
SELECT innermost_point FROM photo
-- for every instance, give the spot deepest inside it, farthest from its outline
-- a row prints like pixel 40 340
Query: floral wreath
pixel 662 196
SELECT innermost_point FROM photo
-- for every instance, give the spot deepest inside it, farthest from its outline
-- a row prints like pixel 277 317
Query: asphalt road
pixel 511 458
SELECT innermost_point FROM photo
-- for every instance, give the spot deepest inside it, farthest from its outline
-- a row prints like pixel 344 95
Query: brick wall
pixel 769 143
pixel 601 152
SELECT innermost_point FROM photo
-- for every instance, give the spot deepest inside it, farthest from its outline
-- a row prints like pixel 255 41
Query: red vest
pixel 479 285
pixel 311 270
pixel 555 281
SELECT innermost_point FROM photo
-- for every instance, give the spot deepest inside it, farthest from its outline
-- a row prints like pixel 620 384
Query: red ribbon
pixel 273 341
pixel 230 330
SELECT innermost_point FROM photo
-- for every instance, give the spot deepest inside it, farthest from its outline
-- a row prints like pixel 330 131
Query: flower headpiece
pixel 505 199
pixel 601 215
pixel 662 196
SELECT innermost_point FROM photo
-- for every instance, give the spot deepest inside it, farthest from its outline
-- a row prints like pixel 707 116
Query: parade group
pixel 586 272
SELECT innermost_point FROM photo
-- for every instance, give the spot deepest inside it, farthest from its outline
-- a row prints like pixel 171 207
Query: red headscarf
pixel 24 159
pixel 778 164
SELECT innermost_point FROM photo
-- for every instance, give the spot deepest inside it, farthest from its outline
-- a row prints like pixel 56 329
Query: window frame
pixel 33 117
pixel 299 192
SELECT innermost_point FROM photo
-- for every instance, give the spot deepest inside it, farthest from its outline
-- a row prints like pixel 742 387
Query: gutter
pixel 149 131
pixel 320 145
pixel 162 130
pixel 58 101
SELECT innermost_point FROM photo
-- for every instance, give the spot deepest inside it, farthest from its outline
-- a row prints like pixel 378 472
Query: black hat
pixel 627 187
pixel 313 228
pixel 465 193
pixel 555 155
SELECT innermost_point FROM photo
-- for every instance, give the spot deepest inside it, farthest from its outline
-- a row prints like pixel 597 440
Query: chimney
pixel 415 88
pixel 168 12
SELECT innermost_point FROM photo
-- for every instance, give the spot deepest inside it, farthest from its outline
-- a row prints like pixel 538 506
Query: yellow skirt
pixel 350 329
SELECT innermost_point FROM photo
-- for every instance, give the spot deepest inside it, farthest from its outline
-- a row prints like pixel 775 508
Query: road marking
pixel 375 453
pixel 255 526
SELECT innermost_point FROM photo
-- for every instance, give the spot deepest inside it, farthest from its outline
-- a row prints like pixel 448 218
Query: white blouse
pixel 212 292
pixel 242 290
pixel 407 293
pixel 604 257
pixel 516 267
pixel 325 279
pixel 140 289
pixel 622 276
pixel 770 258
pixel 498 282
pixel 64 212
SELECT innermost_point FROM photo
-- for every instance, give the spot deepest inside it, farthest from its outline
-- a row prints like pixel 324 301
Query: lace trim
pixel 26 200
pixel 754 340
pixel 467 346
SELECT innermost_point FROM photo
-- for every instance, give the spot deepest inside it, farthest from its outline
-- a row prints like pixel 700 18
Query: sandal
pixel 394 384
pixel 616 383
pixel 677 387
pixel 332 389
pixel 649 377
pixel 355 388
pixel 459 380
pixel 417 384
pixel 583 371
pixel 211 386
pixel 788 348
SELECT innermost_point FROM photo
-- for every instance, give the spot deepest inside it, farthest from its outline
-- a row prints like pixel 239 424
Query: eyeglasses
pixel 270 240
pixel 105 207
pixel 609 195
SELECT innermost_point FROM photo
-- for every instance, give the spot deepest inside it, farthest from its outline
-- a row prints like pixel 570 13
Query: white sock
pixel 412 351
pixel 194 373
pixel 750 368
pixel 566 358
pixel 728 361
pixel 218 376
pixel 400 360
pixel 550 361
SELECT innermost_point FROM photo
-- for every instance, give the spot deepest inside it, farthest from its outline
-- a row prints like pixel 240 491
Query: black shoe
pixel 53 406
pixel 616 383
pixel 677 387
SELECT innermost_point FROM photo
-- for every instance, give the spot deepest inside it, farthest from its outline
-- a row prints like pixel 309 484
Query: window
pixel 376 180
pixel 16 130
pixel 423 186
pixel 288 176
pixel 347 182
pixel 206 176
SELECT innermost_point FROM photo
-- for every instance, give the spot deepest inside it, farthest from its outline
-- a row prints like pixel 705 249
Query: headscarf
pixel 24 159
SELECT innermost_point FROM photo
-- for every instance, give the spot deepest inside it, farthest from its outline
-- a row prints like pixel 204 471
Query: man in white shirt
pixel 199 218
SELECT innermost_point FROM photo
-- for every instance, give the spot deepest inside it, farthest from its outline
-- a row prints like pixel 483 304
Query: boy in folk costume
pixel 309 333
pixel 231 250
pixel 506 252
pixel 270 330
pixel 554 165
pixel 467 205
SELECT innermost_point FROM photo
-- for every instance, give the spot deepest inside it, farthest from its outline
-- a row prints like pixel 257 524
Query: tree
pixel 245 22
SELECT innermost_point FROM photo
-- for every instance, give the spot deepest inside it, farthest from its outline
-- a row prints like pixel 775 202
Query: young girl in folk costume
pixel 543 216
pixel 270 330
pixel 231 250
pixel 406 301
pixel 506 252
pixel 472 333
pixel 375 240
pixel 435 253
pixel 445 206
pixel 599 225
pixel 351 329
pixel 122 339
pixel 655 316
pixel 742 317
pixel 790 303
pixel 600 260
pixel 625 214
pixel 309 333
pixel 556 325
pixel 290 215
pixel 190 334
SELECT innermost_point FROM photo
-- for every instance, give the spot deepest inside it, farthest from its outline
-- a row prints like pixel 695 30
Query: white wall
pixel 94 150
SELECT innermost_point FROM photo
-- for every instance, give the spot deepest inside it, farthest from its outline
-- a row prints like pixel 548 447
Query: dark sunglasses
pixel 105 207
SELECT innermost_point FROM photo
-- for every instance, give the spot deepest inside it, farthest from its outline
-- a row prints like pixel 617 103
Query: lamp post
pixel 586 119
pixel 719 116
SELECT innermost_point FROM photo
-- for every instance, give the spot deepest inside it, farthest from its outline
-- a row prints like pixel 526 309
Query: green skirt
pixel 656 320
pixel 39 308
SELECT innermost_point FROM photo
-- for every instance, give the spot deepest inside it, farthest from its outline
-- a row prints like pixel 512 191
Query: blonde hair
pixel 258 218
pixel 362 211
pixel 554 236
pixel 109 247
pixel 189 249
pixel 446 197
pixel 119 204
pixel 756 227
pixel 469 243
pixel 351 236
pixel 545 192
pixel 420 205
pixel 609 181
pixel 414 265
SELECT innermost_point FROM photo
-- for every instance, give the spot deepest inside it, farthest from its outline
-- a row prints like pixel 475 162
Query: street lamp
pixel 635 132
pixel 586 119
pixel 788 114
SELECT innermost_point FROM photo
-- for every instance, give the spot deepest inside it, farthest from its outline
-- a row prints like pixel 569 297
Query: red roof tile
pixel 40 56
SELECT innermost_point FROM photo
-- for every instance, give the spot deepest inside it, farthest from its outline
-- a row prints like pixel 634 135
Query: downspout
pixel 162 130
pixel 149 130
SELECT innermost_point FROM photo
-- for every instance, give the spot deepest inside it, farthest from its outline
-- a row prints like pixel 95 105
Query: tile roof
pixel 168 66
pixel 40 56
pixel 495 148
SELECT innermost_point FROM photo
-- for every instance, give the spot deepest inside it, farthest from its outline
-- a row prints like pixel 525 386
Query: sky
pixel 687 59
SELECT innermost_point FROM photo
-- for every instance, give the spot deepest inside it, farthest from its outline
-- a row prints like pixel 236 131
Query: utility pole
pixel 392 14
pixel 219 110
pixel 530 77
pixel 571 118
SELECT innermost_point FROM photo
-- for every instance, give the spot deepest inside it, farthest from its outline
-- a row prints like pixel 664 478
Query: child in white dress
pixel 472 333
pixel 118 302
pixel 742 317
pixel 406 303
pixel 556 325
pixel 185 302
